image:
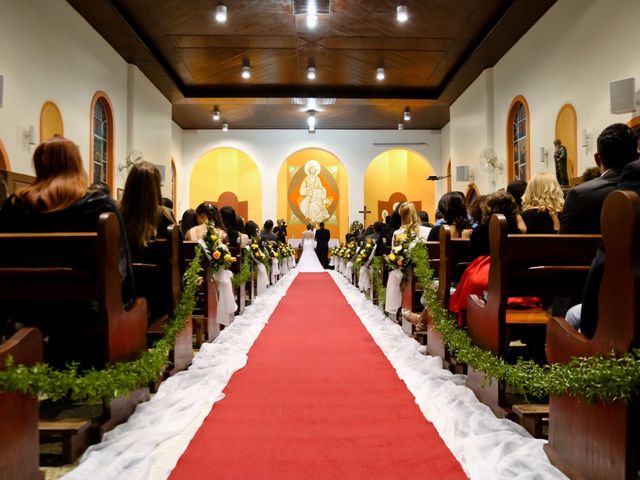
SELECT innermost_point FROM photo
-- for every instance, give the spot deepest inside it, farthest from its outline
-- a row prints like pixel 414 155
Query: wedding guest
pixel 189 220
pixel 206 212
pixel 424 219
pixel 454 213
pixel 517 189
pixel 251 229
pixel 542 203
pixel 102 186
pixel 590 173
pixel 244 238
pixel 267 232
pixel 410 220
pixel 230 222
pixel 280 231
pixel 477 209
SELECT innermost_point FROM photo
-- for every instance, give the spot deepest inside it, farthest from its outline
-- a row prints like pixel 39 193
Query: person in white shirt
pixel 409 218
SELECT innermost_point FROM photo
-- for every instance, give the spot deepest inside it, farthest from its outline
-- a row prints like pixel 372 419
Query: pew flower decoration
pixel 364 253
pixel 400 256
pixel 271 249
pixel 216 250
pixel 350 251
pixel 256 252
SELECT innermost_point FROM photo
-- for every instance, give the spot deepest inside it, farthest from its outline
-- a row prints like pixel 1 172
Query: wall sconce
pixel 585 140
pixel 544 155
pixel 30 135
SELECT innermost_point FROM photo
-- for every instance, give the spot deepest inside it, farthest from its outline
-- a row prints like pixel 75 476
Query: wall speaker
pixel 622 95
pixel 462 173
pixel 1 90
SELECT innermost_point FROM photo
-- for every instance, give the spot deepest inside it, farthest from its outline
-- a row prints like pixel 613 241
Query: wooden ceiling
pixel 196 62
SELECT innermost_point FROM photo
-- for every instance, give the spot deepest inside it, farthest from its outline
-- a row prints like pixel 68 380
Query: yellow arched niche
pixel 334 179
pixel 227 170
pixel 50 121
pixel 398 171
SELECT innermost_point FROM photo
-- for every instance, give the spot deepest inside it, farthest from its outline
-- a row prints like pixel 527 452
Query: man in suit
pixel 322 244
pixel 617 146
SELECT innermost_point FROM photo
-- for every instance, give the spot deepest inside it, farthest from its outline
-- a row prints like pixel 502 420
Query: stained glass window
pixel 520 143
pixel 100 142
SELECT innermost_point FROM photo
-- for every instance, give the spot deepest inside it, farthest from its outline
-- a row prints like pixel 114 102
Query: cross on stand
pixel 364 212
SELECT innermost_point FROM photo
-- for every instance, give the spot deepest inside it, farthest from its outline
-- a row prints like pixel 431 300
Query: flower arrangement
pixel 217 251
pixel 400 256
pixel 285 251
pixel 256 252
pixel 271 248
pixel 355 226
pixel 364 252
pixel 350 251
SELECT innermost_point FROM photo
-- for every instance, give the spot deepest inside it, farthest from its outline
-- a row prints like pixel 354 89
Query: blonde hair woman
pixel 542 203
pixel 409 218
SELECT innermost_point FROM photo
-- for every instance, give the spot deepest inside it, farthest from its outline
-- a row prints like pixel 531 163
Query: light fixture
pixel 246 71
pixel 221 13
pixel 402 13
pixel 311 72
pixel 311 120
pixel 401 126
pixel 216 114
pixel 225 127
pixel 312 20
pixel 380 73
pixel 30 135
pixel 407 114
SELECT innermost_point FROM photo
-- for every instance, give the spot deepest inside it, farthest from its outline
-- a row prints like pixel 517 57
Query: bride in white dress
pixel 309 260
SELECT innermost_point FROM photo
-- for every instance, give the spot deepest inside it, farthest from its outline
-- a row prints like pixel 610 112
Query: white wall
pixel 568 56
pixel 269 148
pixel 49 52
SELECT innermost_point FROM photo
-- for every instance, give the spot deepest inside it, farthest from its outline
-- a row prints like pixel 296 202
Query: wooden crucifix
pixel 364 212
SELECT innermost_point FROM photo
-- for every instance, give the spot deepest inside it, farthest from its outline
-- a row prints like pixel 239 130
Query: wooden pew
pixel 19 445
pixel 522 266
pixel 204 324
pixel 601 441
pixel 43 272
pixel 158 276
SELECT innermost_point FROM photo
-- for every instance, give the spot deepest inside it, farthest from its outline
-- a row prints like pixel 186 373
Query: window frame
pixel 511 118
pixel 110 140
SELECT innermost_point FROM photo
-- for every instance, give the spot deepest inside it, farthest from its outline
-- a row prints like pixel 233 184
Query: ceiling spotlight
pixel 311 73
pixel 246 71
pixel 407 114
pixel 225 127
pixel 312 20
pixel 311 120
pixel 221 13
pixel 402 13
pixel 401 126
pixel 312 129
pixel 216 115
pixel 380 73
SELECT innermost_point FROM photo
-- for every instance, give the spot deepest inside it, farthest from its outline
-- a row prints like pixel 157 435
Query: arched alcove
pixel 4 158
pixel 227 170
pixel 50 121
pixel 313 186
pixel 518 140
pixel 567 133
pixel 398 171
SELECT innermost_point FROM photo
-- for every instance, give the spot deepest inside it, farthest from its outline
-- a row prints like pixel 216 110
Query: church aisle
pixel 317 399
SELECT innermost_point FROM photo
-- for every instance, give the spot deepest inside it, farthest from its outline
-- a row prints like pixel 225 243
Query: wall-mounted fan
pixel 489 161
pixel 134 157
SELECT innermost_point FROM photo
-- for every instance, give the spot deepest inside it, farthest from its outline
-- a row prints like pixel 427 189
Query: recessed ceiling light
pixel 311 73
pixel 401 126
pixel 216 115
pixel 221 13
pixel 407 114
pixel 246 71
pixel 311 120
pixel 225 127
pixel 380 73
pixel 312 20
pixel 402 13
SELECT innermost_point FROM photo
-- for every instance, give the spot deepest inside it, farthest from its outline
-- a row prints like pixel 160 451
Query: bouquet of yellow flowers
pixel 272 250
pixel 217 251
pixel 350 251
pixel 256 252
pixel 364 252
pixel 400 256
pixel 285 250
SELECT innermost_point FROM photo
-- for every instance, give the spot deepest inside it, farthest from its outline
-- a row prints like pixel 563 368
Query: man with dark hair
pixel 267 235
pixel 322 244
pixel 517 189
pixel 424 219
pixel 617 146
pixel 378 236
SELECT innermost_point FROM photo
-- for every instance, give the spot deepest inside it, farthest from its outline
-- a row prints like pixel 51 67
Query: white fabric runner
pixel 149 445
pixel 485 446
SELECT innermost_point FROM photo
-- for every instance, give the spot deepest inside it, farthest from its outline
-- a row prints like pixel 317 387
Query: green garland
pixel 245 271
pixel 114 381
pixel 606 379
pixel 376 265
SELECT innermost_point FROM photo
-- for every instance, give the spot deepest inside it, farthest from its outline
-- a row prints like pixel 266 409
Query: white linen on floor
pixel 149 445
pixel 485 446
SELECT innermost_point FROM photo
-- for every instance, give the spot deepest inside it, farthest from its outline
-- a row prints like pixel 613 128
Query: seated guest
pixel 244 238
pixel 424 219
pixel 590 173
pixel 280 231
pixel 409 218
pixel 454 213
pixel 206 212
pixel 230 222
pixel 517 189
pixel 251 229
pixel 267 232
pixel 167 202
pixel 378 237
pixel 617 146
pixel 477 209
pixel 189 220
pixel 542 203
pixel 102 186
pixel 144 215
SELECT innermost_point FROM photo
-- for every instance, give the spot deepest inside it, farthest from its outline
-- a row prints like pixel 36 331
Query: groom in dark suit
pixel 322 244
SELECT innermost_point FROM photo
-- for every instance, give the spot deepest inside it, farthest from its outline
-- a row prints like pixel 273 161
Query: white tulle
pixel 309 260
pixel 149 445
pixel 393 300
pixel 364 283
pixel 262 282
pixel 284 266
pixel 275 270
pixel 485 446
pixel 348 270
pixel 227 305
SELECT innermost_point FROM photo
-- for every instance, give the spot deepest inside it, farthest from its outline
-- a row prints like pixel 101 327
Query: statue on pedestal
pixel 560 159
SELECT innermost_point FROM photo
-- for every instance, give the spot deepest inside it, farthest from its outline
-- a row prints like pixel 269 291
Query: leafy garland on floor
pixel 606 379
pixel 245 271
pixel 381 291
pixel 115 380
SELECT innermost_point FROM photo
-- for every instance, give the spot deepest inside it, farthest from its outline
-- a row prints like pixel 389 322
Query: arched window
pixel 101 145
pixel 518 140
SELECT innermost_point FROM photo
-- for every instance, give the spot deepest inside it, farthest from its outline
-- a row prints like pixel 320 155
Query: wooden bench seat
pixel 533 417
pixel 74 432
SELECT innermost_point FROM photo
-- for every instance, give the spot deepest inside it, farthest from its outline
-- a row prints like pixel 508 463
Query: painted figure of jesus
pixel 314 203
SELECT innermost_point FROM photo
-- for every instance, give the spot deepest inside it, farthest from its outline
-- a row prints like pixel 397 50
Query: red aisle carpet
pixel 317 399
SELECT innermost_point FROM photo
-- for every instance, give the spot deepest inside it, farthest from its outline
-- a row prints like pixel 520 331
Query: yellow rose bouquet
pixel 364 253
pixel 217 251
pixel 400 256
